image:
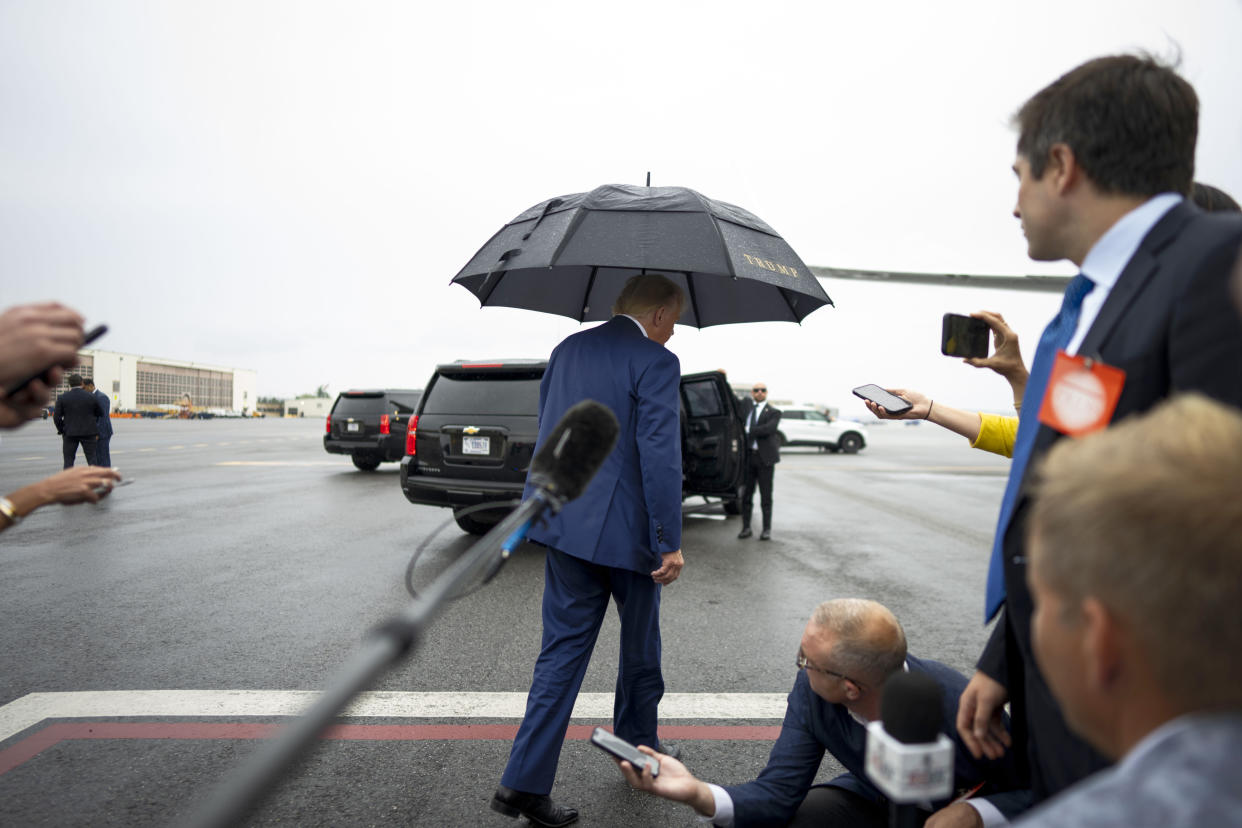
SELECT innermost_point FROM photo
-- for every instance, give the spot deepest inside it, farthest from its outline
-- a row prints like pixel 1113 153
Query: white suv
pixel 806 426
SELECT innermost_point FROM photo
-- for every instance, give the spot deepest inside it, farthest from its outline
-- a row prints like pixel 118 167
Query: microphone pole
pixel 561 469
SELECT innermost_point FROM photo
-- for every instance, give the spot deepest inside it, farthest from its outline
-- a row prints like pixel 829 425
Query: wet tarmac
pixel 245 558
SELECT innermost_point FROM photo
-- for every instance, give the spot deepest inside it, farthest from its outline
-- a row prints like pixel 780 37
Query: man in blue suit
pixel 620 539
pixel 849 648
pixel 103 422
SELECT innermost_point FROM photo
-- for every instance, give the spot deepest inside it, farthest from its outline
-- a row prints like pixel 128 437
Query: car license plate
pixel 351 426
pixel 476 445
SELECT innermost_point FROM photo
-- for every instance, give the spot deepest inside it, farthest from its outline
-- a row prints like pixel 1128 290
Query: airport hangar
pixel 136 381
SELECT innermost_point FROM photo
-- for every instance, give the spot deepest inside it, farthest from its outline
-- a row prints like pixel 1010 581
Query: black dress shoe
pixel 766 534
pixel 670 749
pixel 538 808
pixel 745 533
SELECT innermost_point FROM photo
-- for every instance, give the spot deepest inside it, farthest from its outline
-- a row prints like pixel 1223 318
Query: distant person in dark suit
pixel 76 417
pixel 620 541
pixel 849 648
pixel 764 452
pixel 102 455
pixel 1105 160
pixel 1136 570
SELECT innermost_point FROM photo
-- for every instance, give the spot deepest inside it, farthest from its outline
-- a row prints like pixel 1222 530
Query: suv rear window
pixel 405 403
pixel 352 406
pixel 484 394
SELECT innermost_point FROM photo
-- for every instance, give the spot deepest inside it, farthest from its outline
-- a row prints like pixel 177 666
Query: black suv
pixel 370 425
pixel 472 439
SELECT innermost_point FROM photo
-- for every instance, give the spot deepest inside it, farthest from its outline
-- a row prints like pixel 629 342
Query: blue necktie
pixel 1056 336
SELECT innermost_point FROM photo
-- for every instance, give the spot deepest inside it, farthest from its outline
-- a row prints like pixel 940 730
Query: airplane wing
pixel 1045 284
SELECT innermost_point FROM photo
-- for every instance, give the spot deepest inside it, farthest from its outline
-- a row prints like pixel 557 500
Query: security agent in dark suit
pixel 102 455
pixel 75 416
pixel 848 649
pixel 1105 155
pixel 764 453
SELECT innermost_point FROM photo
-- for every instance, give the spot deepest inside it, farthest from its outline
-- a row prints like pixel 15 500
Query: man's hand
pixel 670 568
pixel 979 717
pixel 34 338
pixel 957 815
pixel 28 403
pixel 919 405
pixel 674 782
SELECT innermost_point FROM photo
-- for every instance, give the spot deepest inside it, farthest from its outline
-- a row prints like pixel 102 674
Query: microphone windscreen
pixel 911 707
pixel 575 449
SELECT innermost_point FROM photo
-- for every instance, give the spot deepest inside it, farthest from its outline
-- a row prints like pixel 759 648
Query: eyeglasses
pixel 803 664
pixel 760 390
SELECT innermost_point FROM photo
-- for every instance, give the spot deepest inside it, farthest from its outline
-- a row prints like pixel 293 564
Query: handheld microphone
pixel 907 756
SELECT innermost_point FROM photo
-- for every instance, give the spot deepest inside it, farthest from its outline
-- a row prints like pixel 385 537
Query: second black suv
pixel 473 437
pixel 370 425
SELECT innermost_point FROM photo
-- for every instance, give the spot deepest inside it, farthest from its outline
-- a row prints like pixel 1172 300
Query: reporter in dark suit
pixel 848 649
pixel 76 415
pixel 1105 157
pixel 761 421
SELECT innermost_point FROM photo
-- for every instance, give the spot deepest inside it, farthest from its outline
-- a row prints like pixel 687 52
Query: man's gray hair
pixel 1145 517
pixel 869 643
pixel 646 292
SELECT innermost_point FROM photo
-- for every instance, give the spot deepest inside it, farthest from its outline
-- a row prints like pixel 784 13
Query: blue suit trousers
pixel 575 598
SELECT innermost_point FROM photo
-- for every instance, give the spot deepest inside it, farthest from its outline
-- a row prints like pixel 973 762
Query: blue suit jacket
pixel 104 422
pixel 813 725
pixel 630 514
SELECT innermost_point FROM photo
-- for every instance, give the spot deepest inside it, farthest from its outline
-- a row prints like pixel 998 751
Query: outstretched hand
pixel 80 484
pixel 1006 358
pixel 675 782
pixel 919 404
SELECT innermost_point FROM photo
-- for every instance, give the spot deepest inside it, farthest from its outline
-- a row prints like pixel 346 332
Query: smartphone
pixel 622 749
pixel 889 402
pixel 964 336
pixel 91 336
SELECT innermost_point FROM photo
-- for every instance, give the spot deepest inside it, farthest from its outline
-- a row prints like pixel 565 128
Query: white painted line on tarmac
pixel 33 708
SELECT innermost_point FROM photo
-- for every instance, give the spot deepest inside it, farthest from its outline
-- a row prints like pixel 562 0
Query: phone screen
pixel 964 336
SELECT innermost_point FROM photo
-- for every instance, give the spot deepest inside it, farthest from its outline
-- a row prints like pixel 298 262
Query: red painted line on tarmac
pixel 39 741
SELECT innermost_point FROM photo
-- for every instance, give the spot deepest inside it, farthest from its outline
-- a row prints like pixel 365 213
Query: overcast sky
pixel 290 186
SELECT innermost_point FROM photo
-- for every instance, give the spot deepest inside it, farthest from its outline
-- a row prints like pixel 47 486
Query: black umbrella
pixel 571 255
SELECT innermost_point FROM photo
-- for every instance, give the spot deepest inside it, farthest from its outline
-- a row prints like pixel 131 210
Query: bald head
pixel 869 640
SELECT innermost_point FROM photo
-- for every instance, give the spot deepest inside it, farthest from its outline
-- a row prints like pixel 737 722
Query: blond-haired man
pixel 1136 571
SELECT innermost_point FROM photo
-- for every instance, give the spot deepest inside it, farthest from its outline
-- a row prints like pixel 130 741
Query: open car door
pixel 713 452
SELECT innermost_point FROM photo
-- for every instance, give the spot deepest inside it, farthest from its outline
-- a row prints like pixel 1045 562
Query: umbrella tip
pixel 648 178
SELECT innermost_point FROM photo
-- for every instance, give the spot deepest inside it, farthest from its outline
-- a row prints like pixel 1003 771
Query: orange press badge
pixel 1081 396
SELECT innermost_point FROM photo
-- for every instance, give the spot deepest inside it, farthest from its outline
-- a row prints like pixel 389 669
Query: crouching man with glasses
pixel 848 649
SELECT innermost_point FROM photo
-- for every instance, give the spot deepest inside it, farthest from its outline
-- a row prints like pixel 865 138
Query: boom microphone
pixel 907 757
pixel 575 450
pixel 559 472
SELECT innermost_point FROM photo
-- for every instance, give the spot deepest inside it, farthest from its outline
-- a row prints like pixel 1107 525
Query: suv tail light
pixel 329 423
pixel 410 432
pixel 384 428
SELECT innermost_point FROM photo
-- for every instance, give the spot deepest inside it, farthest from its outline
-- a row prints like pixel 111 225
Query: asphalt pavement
pixel 152 641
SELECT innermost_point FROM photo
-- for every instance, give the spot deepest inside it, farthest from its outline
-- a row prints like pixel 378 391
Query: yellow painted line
pixel 174 448
pixel 200 445
pixel 30 458
pixel 147 449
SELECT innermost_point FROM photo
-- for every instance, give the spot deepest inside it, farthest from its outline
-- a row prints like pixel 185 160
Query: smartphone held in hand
pixel 621 749
pixel 889 402
pixel 964 336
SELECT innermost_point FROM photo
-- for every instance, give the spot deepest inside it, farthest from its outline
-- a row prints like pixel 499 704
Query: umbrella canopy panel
pixel 571 255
